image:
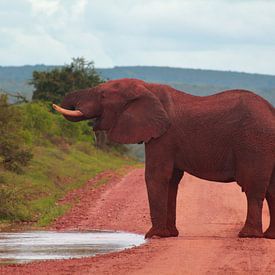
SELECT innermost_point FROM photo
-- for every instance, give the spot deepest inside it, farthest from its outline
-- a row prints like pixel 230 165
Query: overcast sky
pixel 233 35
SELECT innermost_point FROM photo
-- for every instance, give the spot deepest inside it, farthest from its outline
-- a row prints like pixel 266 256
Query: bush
pixel 42 126
pixel 37 118
pixel 13 152
pixel 14 157
pixel 11 206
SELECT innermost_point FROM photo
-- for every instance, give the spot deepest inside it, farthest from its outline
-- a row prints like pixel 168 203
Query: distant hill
pixel 14 79
pixel 195 81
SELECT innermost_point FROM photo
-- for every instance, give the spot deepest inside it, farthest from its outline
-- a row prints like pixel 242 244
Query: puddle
pixel 24 247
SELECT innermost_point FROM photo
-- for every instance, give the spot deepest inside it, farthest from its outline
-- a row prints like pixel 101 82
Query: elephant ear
pixel 142 119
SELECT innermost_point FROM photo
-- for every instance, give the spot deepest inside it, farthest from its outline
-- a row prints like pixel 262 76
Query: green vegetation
pixel 64 158
pixel 42 155
pixel 52 172
pixel 13 152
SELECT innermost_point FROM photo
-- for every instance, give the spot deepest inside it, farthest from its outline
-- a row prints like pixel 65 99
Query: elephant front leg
pixel 158 173
pixel 172 198
pixel 157 190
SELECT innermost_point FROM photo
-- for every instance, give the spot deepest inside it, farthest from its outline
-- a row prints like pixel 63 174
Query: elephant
pixel 225 137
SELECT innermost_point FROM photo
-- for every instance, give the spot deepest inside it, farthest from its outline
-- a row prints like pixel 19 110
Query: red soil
pixel 209 218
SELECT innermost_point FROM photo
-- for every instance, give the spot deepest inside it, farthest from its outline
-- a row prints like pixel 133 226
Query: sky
pixel 236 35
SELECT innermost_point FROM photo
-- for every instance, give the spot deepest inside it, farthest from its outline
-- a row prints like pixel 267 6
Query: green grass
pixel 53 172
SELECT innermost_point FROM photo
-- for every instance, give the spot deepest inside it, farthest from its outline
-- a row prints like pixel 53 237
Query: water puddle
pixel 24 247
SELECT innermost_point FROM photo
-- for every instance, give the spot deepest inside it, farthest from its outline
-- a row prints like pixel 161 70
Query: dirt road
pixel 209 218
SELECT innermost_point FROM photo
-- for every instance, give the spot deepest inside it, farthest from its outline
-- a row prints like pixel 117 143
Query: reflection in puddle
pixel 45 245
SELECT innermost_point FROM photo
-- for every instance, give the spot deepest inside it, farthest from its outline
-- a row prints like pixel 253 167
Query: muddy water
pixel 44 245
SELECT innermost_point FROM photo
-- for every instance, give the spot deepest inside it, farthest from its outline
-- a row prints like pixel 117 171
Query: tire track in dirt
pixel 209 216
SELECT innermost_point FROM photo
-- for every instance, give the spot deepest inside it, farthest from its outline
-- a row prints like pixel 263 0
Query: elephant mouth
pixel 96 123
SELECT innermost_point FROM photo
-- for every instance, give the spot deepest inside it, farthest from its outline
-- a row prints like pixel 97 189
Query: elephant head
pixel 129 111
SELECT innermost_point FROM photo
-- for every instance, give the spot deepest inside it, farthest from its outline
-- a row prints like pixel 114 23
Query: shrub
pixel 14 157
pixel 13 152
pixel 12 206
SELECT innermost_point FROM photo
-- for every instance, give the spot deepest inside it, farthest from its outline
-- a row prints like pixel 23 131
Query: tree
pixel 55 84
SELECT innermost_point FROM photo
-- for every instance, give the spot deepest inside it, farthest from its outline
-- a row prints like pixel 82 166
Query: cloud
pixel 54 38
pixel 240 59
pixel 217 35
pixel 79 7
pixel 217 22
pixel 236 35
pixel 47 7
pixel 36 46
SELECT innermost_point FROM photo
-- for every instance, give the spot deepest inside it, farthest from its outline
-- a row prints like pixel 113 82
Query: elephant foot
pixel 162 233
pixel 269 234
pixel 248 232
pixel 173 231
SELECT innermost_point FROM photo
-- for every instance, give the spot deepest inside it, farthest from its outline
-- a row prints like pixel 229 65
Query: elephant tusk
pixel 75 113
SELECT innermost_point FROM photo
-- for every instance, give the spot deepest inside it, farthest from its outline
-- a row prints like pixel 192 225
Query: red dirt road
pixel 209 216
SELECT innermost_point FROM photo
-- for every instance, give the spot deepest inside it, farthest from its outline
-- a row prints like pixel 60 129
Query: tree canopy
pixel 53 85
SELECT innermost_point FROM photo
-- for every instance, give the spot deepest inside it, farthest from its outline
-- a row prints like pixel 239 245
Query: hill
pixel 197 81
pixel 194 81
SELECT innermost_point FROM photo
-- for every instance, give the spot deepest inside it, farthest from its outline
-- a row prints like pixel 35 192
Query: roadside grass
pixel 53 171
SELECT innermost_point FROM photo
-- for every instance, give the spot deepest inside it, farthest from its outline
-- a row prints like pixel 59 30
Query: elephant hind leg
pixel 253 224
pixel 255 192
pixel 254 176
pixel 270 198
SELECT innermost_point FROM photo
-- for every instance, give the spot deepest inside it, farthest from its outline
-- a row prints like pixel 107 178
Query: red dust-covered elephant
pixel 226 137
